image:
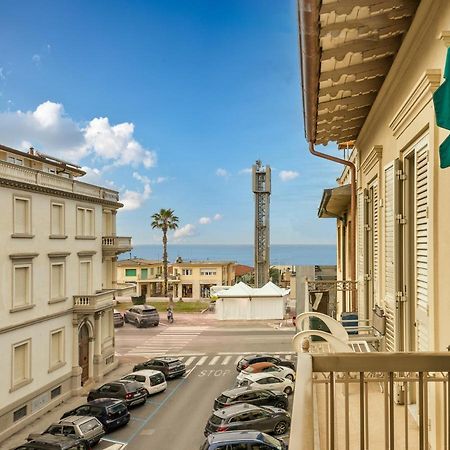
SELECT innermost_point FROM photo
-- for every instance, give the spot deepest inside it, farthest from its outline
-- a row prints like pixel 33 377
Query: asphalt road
pixel 175 419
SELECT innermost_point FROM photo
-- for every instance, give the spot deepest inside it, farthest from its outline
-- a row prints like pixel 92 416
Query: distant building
pixel 58 252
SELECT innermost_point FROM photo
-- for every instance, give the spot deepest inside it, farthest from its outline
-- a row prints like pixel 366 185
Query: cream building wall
pixel 45 298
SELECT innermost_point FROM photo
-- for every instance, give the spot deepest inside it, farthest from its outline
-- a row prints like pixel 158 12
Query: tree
pixel 165 220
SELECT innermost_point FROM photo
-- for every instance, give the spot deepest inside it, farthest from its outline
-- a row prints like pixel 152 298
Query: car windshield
pixel 54 429
pixel 272 441
pixel 88 426
pixel 215 420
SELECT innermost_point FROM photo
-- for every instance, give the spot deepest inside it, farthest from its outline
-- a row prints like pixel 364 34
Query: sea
pixel 302 255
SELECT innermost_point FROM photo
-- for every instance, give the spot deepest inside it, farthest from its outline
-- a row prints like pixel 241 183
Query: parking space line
pixel 226 360
pixel 137 419
pixel 114 441
pixel 214 360
pixel 202 360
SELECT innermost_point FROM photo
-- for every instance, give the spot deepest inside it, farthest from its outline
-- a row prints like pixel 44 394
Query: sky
pixel 170 102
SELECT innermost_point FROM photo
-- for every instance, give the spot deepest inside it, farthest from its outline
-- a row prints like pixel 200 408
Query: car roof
pixel 259 376
pixel 104 402
pixel 166 359
pixel 74 420
pixel 235 409
pixel 144 307
pixel 145 372
pixel 225 436
pixel 59 440
pixel 261 365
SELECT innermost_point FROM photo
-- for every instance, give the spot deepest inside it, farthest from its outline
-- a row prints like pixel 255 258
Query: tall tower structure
pixel 261 189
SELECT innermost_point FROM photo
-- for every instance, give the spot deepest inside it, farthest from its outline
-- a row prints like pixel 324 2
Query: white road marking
pixel 202 360
pixel 214 360
pixel 189 360
pixel 238 359
pixel 226 360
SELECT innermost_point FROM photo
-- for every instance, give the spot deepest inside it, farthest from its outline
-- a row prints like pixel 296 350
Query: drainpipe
pixel 352 246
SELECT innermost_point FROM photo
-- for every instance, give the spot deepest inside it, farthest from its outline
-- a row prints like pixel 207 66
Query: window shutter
pixel 361 256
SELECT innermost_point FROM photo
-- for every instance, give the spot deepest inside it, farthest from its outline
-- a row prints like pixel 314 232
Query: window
pixel 57 281
pixel 14 160
pixel 57 349
pixel 130 272
pixel 208 272
pixel 186 271
pixel 50 170
pixel 85 277
pixel 85 222
pixel 57 219
pixel 21 370
pixel 21 285
pixel 19 414
pixel 55 392
pixel 144 274
pixel 22 216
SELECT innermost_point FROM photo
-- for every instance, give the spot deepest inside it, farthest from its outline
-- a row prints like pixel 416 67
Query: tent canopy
pixel 241 290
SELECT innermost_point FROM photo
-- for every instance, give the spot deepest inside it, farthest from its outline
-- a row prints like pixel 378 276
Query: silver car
pixel 142 316
pixel 84 427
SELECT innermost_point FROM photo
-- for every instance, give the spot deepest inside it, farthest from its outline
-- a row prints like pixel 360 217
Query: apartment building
pixel 144 273
pixel 369 72
pixel 58 251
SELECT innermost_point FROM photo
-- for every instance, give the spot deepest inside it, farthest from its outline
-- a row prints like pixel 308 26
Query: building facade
pixel 58 280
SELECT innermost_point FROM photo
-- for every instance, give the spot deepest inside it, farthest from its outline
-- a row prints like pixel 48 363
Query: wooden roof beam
pixel 346 6
pixel 343 115
pixel 349 103
pixel 362 87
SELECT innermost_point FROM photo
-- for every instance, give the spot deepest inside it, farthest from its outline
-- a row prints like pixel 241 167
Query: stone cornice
pixel 371 159
pixel 23 256
pixel 420 96
pixel 15 184
pixel 58 254
pixel 87 253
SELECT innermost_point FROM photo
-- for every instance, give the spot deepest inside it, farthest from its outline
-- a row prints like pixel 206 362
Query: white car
pixel 279 371
pixel 153 380
pixel 268 381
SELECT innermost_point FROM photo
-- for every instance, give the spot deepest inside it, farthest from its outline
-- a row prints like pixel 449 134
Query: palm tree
pixel 165 220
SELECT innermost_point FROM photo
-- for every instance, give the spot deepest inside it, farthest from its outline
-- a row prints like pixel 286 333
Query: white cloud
pixel 187 230
pixel 133 200
pixel 50 129
pixel 221 172
pixel 36 59
pixel 218 217
pixel 204 220
pixel 2 74
pixel 288 175
pixel 161 179
pixel 245 171
pixel 141 178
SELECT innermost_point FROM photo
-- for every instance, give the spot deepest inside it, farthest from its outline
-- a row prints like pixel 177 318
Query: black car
pixel 267 419
pixel 170 367
pixel 252 359
pixel 259 397
pixel 110 412
pixel 131 392
pixel 253 440
pixel 52 442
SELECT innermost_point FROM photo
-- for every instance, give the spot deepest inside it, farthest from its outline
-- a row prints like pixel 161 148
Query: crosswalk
pixel 171 340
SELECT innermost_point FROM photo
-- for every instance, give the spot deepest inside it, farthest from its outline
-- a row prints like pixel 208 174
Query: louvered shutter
pixel 391 251
pixel 375 234
pixel 360 247
pixel 421 243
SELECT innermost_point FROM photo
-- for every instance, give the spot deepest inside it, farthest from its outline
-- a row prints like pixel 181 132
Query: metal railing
pixel 371 400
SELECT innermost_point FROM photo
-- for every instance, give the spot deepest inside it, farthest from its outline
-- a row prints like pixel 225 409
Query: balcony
pixel 114 245
pixel 47 180
pixel 93 302
pixel 371 400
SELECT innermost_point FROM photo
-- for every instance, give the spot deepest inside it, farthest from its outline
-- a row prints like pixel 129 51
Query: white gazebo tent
pixel 242 302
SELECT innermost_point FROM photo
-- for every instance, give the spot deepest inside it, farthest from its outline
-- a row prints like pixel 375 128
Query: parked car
pixel 258 397
pixel 110 412
pixel 238 440
pixel 142 316
pixel 118 319
pixel 52 442
pixel 268 381
pixel 249 417
pixel 170 367
pixel 83 427
pixel 153 380
pixel 131 392
pixel 252 359
pixel 267 367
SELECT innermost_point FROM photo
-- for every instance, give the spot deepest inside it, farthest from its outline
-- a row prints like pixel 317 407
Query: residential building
pixel 58 251
pixel 369 71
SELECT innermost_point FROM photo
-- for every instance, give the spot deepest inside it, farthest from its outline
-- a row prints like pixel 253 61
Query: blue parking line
pixel 147 420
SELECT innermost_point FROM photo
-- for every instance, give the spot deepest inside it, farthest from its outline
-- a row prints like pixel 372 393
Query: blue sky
pixel 170 102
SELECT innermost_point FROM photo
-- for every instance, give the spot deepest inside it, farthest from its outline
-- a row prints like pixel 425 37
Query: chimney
pixel 31 151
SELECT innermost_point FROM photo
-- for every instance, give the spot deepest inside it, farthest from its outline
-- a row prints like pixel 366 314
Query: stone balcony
pixel 115 245
pixel 45 180
pixel 92 303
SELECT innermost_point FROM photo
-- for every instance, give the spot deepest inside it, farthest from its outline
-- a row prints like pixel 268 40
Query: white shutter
pixel 391 188
pixel 421 243
pixel 375 235
pixel 360 250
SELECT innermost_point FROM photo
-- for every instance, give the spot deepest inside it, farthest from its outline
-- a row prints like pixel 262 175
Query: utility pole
pixel 261 189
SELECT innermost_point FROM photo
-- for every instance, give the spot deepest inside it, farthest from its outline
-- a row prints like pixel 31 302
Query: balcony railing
pixel 93 302
pixel 37 177
pixel 116 244
pixel 371 400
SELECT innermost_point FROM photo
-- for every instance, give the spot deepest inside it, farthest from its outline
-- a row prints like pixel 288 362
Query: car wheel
pixel 290 377
pixel 156 324
pixel 280 428
pixel 125 319
pixel 280 405
pixel 148 393
pixel 138 324
pixel 288 390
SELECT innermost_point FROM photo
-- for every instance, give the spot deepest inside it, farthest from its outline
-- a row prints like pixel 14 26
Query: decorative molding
pixel 58 254
pixel 445 36
pixel 57 236
pixel 15 256
pixel 420 96
pixel 86 238
pixel 22 236
pixel 373 157
pixel 87 253
pixel 22 308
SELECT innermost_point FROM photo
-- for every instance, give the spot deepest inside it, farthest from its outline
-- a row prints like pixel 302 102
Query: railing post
pixel 302 433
